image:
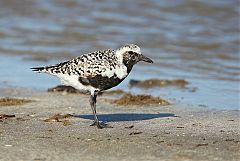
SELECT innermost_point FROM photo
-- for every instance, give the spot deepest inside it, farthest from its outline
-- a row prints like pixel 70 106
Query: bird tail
pixel 39 69
pixel 47 69
pixel 53 70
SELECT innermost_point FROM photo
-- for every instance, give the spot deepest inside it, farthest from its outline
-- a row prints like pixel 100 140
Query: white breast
pixel 121 71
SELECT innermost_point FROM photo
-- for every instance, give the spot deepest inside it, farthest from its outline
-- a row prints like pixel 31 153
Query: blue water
pixel 193 40
pixel 15 72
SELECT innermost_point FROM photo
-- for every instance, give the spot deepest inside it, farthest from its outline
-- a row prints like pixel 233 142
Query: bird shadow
pixel 126 116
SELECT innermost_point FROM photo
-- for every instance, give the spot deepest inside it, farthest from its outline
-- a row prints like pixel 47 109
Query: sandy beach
pixel 191 107
pixel 149 132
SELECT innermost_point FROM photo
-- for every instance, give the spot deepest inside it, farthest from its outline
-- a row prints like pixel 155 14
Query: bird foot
pixel 100 125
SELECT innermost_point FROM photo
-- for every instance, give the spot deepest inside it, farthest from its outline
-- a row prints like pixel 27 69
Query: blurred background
pixel 194 40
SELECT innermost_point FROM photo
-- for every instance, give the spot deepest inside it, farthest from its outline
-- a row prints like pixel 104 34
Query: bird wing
pixel 88 65
pixel 96 69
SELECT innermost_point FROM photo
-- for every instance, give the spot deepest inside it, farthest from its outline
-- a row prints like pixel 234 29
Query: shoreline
pixel 145 132
pixel 189 90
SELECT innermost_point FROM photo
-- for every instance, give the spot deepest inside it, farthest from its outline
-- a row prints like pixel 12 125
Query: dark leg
pixel 93 101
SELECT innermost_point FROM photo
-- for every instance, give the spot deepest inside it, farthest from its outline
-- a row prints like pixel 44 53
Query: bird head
pixel 131 54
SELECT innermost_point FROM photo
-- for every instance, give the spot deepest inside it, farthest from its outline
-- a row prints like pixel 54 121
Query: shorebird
pixel 97 71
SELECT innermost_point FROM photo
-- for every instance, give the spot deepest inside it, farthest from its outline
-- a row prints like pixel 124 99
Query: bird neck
pixel 129 67
pixel 119 54
pixel 122 59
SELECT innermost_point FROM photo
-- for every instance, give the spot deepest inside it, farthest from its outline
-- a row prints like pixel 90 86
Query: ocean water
pixel 197 41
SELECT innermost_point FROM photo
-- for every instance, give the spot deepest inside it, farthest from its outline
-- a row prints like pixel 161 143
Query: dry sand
pixel 153 132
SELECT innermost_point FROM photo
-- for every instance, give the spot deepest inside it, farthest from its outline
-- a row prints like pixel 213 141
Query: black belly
pixel 100 82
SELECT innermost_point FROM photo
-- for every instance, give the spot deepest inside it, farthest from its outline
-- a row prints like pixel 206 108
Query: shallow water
pixel 193 40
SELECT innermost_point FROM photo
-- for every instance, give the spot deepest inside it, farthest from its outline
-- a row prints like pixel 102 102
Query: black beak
pixel 146 59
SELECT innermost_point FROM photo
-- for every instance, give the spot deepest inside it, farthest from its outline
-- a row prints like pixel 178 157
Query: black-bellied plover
pixel 97 71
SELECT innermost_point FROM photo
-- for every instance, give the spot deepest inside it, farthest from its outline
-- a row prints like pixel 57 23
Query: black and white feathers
pixel 98 70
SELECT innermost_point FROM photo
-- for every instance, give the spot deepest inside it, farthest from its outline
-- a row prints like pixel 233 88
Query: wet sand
pixel 149 132
pixel 194 43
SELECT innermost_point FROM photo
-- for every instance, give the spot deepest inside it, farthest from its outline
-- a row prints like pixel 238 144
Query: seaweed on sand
pixel 129 99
